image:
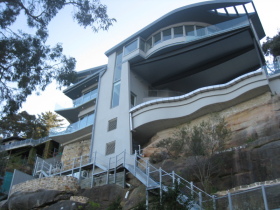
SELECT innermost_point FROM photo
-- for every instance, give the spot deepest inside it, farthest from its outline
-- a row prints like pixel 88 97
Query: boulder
pixel 38 199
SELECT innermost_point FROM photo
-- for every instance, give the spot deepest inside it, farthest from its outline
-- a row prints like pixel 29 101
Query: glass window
pixel 166 34
pixel 221 10
pixel 157 38
pixel 149 44
pixel 116 94
pixel 240 9
pixel 249 7
pixel 142 45
pixel 118 67
pixel 200 31
pixel 130 47
pixel 132 99
pixel 189 30
pixel 231 10
pixel 178 31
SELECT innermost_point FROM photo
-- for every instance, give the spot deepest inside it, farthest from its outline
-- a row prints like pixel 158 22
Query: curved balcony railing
pixel 153 94
pixel 85 98
pixel 198 32
pixel 85 122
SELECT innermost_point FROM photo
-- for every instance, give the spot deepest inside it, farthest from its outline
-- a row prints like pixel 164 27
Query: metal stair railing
pixel 153 177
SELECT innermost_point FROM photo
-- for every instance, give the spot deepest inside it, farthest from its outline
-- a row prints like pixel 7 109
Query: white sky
pixel 132 15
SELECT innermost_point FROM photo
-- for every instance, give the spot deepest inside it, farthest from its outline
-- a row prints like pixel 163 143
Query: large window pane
pixel 189 30
pixel 166 34
pixel 142 45
pixel 132 99
pixel 200 31
pixel 116 94
pixel 130 47
pixel 157 38
pixel 118 67
pixel 149 44
pixel 178 31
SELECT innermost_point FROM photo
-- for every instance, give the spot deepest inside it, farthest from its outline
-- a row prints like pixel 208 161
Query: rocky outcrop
pixel 256 161
pixel 248 121
pixel 59 183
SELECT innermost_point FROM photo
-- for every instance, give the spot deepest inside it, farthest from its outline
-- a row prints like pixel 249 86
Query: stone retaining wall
pixel 75 150
pixel 61 183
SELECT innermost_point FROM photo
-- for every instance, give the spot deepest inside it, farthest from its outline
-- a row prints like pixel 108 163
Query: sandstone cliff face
pixel 258 161
pixel 256 118
pixel 255 126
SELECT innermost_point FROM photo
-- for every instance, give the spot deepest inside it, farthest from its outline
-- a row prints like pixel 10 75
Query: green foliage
pixel 173 199
pixel 3 161
pixel 175 145
pixel 200 143
pixel 27 63
pixel 140 206
pixel 115 205
pixel 94 205
pixel 28 126
pixel 200 140
pixel 272 45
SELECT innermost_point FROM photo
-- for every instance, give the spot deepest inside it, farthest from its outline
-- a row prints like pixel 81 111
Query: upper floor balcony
pixel 179 34
pixel 79 129
pixel 85 101
pixel 85 98
pixel 154 115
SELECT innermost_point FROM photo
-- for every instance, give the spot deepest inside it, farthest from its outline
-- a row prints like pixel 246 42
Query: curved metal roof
pixel 199 12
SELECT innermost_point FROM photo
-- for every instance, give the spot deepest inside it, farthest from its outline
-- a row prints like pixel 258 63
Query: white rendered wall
pixel 274 84
pixel 104 112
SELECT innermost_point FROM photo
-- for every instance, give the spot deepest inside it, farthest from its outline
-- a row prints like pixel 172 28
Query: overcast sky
pixel 132 15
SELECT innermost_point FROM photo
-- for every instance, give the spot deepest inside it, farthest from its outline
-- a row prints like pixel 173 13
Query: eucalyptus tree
pixel 27 63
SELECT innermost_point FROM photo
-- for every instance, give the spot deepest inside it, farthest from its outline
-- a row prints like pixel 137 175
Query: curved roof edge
pixel 207 2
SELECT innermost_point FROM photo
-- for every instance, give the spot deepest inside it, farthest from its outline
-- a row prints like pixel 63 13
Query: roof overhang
pixel 91 77
pixel 207 61
pixel 199 12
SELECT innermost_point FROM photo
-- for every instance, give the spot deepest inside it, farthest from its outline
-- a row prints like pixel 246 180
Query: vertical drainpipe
pixel 96 105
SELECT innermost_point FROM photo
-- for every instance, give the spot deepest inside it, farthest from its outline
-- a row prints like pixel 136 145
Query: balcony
pixel 159 114
pixel 79 104
pixel 179 35
pixel 79 129
pixel 156 94
pixel 24 143
pixel 85 98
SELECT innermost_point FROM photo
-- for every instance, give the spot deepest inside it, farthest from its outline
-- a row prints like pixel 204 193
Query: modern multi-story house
pixel 197 59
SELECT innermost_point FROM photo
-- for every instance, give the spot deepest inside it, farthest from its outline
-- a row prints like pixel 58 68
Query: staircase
pixel 149 175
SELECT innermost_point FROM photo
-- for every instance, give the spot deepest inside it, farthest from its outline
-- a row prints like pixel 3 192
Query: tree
pixel 49 120
pixel 28 126
pixel 272 46
pixel 3 161
pixel 26 62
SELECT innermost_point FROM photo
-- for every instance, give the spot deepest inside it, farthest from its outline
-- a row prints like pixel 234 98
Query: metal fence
pixel 259 198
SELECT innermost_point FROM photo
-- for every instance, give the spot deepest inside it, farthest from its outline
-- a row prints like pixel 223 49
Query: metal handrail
pixel 26 142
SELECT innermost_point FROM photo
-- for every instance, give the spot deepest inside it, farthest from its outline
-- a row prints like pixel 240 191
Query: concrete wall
pixel 274 82
pixel 61 183
pixel 105 113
